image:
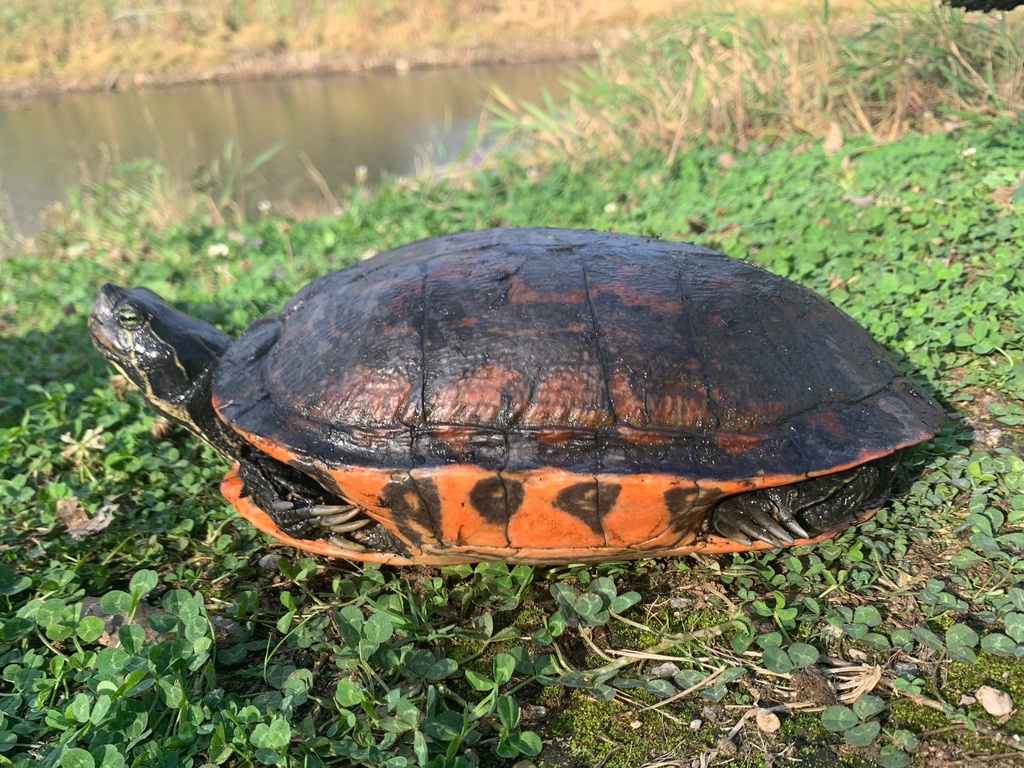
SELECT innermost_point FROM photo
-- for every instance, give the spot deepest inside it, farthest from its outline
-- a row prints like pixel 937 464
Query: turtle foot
pixel 762 520
pixel 324 521
pixel 805 510
pixel 298 505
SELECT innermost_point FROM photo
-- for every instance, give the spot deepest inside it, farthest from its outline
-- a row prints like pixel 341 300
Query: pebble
pixel 997 703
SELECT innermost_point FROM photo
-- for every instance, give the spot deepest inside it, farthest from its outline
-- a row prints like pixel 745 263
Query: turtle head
pixel 168 355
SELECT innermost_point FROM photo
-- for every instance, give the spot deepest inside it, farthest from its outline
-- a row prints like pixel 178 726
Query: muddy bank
pixel 266 64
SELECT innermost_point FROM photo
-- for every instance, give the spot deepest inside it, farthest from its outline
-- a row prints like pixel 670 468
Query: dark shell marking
pixel 558 395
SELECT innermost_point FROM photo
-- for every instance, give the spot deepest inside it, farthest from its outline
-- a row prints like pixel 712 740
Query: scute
pixel 580 351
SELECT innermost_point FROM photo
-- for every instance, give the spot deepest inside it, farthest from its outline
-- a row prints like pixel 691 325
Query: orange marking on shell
pixel 476 396
pixel 629 406
pixel 271 448
pixel 373 396
pixel 829 422
pixel 736 443
pixel 539 523
pixel 462 524
pixel 455 437
pixel 682 408
pixel 519 292
pixel 569 395
pixel 631 297
pixel 646 436
pixel 640 516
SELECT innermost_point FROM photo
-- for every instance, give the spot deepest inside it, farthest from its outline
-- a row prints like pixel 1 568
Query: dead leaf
pixel 77 520
pixel 111 624
pixel 161 427
pixel 767 721
pixel 69 513
pixel 855 681
pixel 997 703
pixel 1004 196
pixel 833 140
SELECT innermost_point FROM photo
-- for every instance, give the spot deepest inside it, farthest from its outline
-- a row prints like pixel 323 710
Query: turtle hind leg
pixel 303 509
pixel 804 510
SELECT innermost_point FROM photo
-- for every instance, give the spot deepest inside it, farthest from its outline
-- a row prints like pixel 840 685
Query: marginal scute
pixel 681 505
pixel 496 499
pixel 589 501
pixel 414 507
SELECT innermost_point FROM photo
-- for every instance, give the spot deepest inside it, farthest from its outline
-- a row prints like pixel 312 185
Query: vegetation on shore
pixel 84 44
pixel 142 623
pixel 734 80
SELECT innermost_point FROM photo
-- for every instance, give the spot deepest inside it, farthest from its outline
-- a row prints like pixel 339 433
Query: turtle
pixel 534 395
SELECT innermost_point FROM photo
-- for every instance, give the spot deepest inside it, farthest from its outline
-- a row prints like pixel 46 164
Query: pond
pixel 326 127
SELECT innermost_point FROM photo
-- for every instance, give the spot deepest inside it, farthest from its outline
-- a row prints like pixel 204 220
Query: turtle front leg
pixel 300 506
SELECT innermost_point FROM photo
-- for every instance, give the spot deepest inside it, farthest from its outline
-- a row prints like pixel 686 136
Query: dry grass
pixel 82 42
pixel 744 79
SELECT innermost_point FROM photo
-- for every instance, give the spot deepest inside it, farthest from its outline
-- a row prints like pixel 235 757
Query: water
pixel 333 124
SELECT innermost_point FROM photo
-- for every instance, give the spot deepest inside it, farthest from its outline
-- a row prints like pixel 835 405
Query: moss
pixel 813 745
pixel 1006 674
pixel 594 731
pixel 704 618
pixel 529 616
pixel 626 635
pixel 915 718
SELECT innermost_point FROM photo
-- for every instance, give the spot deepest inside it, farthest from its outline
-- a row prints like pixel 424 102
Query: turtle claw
pixel 347 544
pixel 754 527
pixel 750 519
pixel 786 519
pixel 341 512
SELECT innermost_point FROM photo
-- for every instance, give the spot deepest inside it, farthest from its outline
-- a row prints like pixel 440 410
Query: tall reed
pixel 727 79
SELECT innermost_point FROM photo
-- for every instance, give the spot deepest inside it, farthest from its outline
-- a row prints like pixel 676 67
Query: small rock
pixel 666 669
pixel 905 670
pixel 695 724
pixel 269 562
pixel 767 721
pixel 226 631
pixel 997 703
pixel 533 713
pixel 679 603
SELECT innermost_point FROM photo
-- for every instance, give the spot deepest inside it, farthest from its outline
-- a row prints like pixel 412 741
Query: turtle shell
pixel 548 395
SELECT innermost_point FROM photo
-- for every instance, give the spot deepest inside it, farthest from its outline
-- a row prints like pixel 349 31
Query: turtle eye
pixel 128 316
